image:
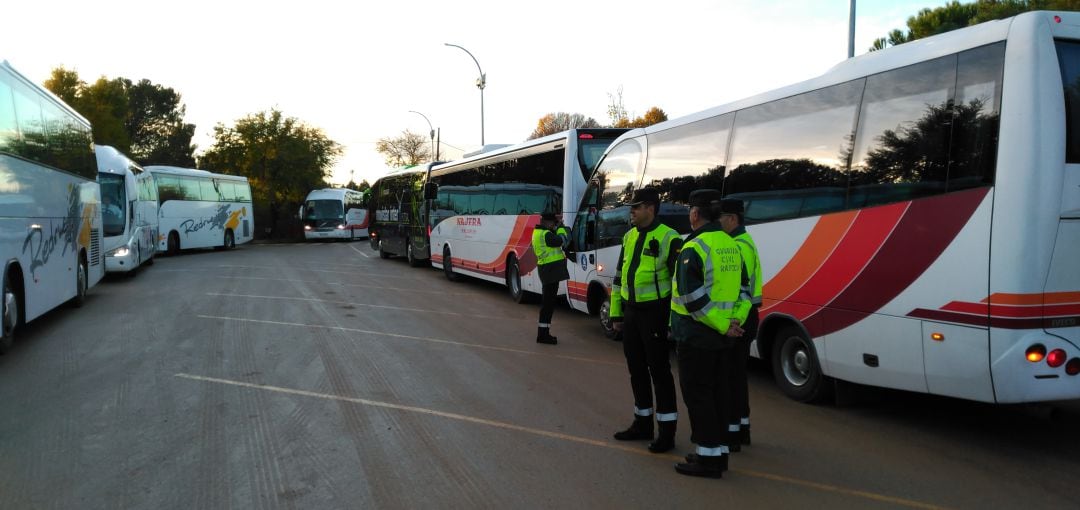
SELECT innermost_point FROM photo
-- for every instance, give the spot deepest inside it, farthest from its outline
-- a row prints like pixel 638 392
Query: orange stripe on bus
pixel 1048 298
pixel 827 233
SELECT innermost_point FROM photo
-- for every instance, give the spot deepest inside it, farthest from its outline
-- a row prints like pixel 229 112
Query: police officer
pixel 640 304
pixel 732 220
pixel 551 267
pixel 705 315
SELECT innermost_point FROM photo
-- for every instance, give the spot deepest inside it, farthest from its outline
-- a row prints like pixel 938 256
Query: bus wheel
pixel 173 247
pixel 80 286
pixel 138 262
pixel 513 280
pixel 230 241
pixel 383 254
pixel 10 317
pixel 795 366
pixel 605 321
pixel 410 255
pixel 448 265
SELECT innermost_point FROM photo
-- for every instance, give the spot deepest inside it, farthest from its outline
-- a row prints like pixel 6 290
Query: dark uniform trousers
pixel 704 377
pixel 547 301
pixel 648 356
pixel 740 405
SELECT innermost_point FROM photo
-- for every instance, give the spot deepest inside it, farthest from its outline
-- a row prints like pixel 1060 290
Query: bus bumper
pixel 335 233
pixel 122 259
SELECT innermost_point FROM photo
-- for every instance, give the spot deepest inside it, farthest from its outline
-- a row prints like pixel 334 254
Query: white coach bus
pixel 200 209
pixel 129 211
pixel 334 213
pixel 485 207
pixel 917 212
pixel 50 214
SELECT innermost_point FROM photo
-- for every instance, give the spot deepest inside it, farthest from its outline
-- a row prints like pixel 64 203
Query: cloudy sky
pixel 355 70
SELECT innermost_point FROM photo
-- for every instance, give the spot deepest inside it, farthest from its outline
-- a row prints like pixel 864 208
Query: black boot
pixel 543 336
pixel 666 439
pixel 706 466
pixel 642 428
pixel 744 434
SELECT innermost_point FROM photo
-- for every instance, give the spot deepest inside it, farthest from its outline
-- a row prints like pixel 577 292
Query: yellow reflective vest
pixel 710 294
pixel 643 275
pixel 750 258
pixel 545 254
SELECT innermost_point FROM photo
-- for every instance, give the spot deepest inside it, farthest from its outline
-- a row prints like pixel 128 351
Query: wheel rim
pixel 408 252
pixel 82 280
pixel 796 362
pixel 229 240
pixel 11 311
pixel 515 279
pixel 605 315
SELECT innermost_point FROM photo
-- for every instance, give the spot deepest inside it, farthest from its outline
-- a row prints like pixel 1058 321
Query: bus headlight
pixel 307 227
pixel 122 251
pixel 341 227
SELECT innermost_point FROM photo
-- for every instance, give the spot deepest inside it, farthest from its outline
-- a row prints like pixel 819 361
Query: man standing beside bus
pixel 551 267
pixel 732 220
pixel 706 311
pixel 640 305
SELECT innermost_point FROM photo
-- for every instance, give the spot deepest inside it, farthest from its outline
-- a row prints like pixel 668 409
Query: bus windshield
pixel 590 151
pixel 323 210
pixel 113 204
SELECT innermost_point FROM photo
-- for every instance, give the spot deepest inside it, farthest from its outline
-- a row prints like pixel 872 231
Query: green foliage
pixel 561 121
pixel 282 158
pixel 143 120
pixel 956 15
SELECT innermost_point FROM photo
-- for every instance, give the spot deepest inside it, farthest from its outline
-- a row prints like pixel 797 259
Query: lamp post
pixel 480 83
pixel 851 29
pixel 434 156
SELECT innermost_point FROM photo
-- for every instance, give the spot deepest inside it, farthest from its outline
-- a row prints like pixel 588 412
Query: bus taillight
pixel 1036 353
pixel 585 136
pixel 1073 366
pixel 1056 358
pixel 1057 19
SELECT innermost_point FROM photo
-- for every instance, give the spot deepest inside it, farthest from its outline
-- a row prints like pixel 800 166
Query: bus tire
pixel 10 313
pixel 383 254
pixel 230 240
pixel 138 262
pixel 410 255
pixel 795 366
pixel 173 245
pixel 605 321
pixel 513 280
pixel 80 284
pixel 448 265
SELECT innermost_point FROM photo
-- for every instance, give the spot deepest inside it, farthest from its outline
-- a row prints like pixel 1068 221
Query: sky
pixel 356 69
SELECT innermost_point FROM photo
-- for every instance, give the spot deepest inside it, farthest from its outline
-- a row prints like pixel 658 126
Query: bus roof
pixel 449 167
pixel 191 172
pixel 336 193
pixel 112 161
pixel 4 64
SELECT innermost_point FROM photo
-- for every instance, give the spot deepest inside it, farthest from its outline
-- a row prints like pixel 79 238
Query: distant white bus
pixel 129 211
pixel 50 213
pixel 334 213
pixel 482 209
pixel 200 209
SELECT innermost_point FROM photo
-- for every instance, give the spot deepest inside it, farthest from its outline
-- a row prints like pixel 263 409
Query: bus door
pixel 582 253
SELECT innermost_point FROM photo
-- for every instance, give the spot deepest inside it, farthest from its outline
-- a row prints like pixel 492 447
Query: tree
pixel 408 149
pixel 652 116
pixel 363 186
pixel 282 157
pixel 616 110
pixel 954 15
pixel 561 121
pixel 143 120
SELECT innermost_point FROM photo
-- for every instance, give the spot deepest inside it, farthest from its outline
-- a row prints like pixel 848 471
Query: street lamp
pixel 480 83
pixel 434 156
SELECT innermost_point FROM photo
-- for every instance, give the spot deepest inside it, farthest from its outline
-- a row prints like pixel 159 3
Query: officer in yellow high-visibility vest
pixel 731 219
pixel 551 267
pixel 640 304
pixel 706 311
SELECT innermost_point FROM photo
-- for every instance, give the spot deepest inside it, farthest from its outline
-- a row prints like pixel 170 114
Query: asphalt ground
pixel 319 376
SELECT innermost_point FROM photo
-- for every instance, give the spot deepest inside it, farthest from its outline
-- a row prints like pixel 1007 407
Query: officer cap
pixel 704 198
pixel 731 206
pixel 645 196
pixel 548 216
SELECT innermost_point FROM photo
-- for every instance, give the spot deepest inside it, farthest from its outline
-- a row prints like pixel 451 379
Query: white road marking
pixel 353 273
pixel 636 449
pixel 360 252
pixel 420 338
pixel 388 307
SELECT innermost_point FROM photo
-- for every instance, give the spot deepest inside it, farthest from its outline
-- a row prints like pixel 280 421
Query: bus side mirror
pixel 431 191
pixel 300 213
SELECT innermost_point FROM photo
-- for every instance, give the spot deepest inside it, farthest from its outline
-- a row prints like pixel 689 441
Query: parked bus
pixel 129 211
pixel 50 207
pixel 917 212
pixel 334 213
pixel 398 215
pixel 201 209
pixel 485 207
